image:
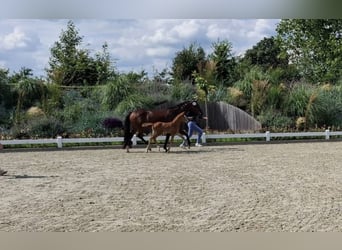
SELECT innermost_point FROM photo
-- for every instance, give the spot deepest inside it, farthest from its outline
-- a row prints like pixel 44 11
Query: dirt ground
pixel 288 187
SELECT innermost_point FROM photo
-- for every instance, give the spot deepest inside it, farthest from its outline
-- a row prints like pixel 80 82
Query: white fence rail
pixel 59 141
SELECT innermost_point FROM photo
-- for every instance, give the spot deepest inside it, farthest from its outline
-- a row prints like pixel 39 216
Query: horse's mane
pixel 180 105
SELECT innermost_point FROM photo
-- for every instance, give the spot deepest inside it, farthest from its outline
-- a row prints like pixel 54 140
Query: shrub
pixel 326 108
pixel 133 102
pixel 298 100
pixel 47 127
pixel 274 119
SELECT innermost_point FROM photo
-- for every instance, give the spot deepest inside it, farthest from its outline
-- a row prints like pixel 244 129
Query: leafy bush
pixel 89 124
pixel 133 102
pixel 46 127
pixel 274 119
pixel 326 109
pixel 182 91
pixel 298 99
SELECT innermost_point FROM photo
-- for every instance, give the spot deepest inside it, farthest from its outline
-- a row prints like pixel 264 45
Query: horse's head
pixel 192 107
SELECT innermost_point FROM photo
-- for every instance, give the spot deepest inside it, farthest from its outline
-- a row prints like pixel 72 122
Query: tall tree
pixel 266 54
pixel 64 57
pixel 72 65
pixel 104 65
pixel 225 63
pixel 188 61
pixel 315 46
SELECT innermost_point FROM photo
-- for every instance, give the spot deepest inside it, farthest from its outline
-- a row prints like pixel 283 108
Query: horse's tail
pixel 127 131
pixel 147 124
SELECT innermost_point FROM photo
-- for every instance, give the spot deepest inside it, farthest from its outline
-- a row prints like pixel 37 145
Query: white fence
pixel 59 141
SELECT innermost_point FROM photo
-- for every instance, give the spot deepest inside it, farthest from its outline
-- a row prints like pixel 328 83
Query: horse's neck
pixel 165 114
pixel 171 114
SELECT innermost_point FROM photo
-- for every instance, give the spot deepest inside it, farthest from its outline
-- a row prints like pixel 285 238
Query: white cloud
pixel 261 29
pixel 186 29
pixel 136 44
pixel 158 52
pixel 16 39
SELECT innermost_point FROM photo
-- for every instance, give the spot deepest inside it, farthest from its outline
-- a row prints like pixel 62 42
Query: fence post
pixel 327 134
pixel 204 138
pixel 59 142
pixel 268 136
pixel 134 140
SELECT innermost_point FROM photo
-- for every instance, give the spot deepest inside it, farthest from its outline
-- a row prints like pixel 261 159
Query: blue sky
pixel 135 44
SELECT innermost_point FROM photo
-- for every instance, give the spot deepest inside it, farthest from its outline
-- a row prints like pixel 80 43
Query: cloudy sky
pixel 135 44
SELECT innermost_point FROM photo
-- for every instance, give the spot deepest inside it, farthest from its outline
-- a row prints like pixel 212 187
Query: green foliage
pixel 45 127
pixel 5 117
pixel 105 68
pixel 88 124
pixel 266 54
pixel 220 94
pixel 70 65
pixel 236 98
pixel 275 96
pixel 259 96
pixel 133 102
pixel 4 87
pixel 272 119
pixel 225 63
pixel 320 105
pixel 246 84
pixel 182 91
pixel 187 61
pixel 159 92
pixel 53 100
pixel 28 89
pixel 6 99
pixel 115 91
pixel 298 99
pixel 314 45
pixel 326 109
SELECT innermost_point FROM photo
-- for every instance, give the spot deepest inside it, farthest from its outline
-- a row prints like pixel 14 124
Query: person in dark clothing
pixel 194 127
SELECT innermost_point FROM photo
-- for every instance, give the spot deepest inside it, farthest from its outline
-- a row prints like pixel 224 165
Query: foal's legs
pixel 153 138
pixel 148 148
pixel 171 141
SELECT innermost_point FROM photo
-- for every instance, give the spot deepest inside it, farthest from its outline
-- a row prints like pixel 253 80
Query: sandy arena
pixel 287 187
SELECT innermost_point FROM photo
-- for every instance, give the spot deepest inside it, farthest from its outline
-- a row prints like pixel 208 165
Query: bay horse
pixel 171 128
pixel 134 120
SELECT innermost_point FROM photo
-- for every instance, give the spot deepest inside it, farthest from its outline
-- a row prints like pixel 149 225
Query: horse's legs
pixel 128 141
pixel 171 142
pixel 183 132
pixel 141 137
pixel 166 141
